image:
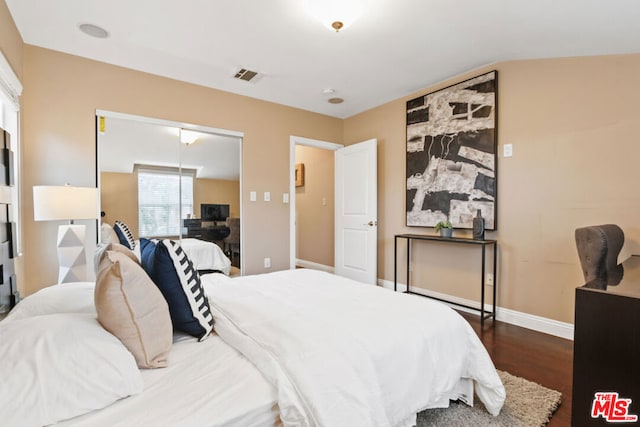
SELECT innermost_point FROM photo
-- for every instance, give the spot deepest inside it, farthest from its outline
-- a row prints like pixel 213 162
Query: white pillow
pixel 74 297
pixel 60 366
pixel 108 234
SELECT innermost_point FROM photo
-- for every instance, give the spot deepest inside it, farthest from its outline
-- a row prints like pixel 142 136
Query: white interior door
pixel 356 222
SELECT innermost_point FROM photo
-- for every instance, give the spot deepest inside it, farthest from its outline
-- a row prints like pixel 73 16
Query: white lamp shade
pixel 52 203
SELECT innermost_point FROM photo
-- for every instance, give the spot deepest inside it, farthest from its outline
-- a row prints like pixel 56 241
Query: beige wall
pixel 217 191
pixel 10 40
pixel 573 126
pixel 119 199
pixel 315 206
pixel 61 95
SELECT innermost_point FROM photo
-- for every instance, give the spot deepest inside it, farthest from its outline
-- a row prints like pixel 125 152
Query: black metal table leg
pixel 395 264
pixel 408 263
pixel 495 278
pixel 482 275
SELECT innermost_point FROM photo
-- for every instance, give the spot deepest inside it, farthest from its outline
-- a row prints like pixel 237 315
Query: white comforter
pixel 343 353
pixel 206 255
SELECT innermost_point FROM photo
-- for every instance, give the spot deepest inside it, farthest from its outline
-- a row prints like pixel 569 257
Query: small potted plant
pixel 445 228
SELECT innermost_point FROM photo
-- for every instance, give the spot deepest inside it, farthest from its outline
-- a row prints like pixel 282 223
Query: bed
pixel 296 347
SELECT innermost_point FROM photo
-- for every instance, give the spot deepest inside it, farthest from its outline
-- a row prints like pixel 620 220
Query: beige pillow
pixel 101 250
pixel 118 247
pixel 131 307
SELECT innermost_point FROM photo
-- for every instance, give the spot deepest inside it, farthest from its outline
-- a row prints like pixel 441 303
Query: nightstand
pixel 606 348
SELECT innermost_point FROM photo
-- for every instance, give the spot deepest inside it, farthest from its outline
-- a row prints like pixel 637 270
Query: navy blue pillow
pixel 173 273
pixel 147 254
pixel 125 236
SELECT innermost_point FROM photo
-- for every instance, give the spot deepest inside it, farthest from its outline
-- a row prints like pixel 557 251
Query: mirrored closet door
pixel 170 180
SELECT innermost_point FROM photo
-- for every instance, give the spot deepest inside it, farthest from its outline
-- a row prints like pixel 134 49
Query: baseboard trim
pixel 525 320
pixel 314 265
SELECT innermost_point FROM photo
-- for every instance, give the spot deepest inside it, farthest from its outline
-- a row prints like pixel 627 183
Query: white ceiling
pixel 126 143
pixel 397 47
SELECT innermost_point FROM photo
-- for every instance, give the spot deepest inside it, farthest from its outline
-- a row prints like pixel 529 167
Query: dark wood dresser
pixel 606 350
pixel 207 231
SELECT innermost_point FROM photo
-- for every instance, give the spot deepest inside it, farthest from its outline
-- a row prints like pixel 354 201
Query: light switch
pixel 267 196
pixel 252 196
pixel 507 150
pixel 285 198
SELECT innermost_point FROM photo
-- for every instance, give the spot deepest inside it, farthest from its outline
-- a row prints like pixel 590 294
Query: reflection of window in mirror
pixel 165 196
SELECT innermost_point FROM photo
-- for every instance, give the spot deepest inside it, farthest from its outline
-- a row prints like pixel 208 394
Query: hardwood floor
pixel 538 357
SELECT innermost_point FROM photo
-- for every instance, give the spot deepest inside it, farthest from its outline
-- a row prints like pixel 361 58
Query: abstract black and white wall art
pixel 451 154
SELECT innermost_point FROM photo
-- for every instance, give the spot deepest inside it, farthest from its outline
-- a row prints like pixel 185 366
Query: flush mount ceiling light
pixel 94 31
pixel 336 14
pixel 332 99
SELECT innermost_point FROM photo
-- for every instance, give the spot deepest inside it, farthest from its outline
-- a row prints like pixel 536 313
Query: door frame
pixel 293 141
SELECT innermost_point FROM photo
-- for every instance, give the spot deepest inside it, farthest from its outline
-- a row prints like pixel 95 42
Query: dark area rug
pixel 527 404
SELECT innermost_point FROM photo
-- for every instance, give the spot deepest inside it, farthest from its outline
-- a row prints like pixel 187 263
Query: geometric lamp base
pixel 71 254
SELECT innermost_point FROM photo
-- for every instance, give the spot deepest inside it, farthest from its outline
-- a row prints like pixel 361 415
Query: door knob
pixel 372 223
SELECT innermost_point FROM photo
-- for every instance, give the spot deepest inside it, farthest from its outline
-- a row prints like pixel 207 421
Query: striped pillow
pixel 124 234
pixel 174 274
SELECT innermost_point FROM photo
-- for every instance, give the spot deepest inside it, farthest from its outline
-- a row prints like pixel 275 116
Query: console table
pixel 484 314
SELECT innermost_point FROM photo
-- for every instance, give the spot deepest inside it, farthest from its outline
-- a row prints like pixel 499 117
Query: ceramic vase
pixel 478 226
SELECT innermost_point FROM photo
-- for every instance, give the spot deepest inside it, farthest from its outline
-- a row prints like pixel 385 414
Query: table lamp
pixel 56 203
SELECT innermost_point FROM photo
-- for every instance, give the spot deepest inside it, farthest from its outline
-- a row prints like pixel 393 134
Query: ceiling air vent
pixel 246 75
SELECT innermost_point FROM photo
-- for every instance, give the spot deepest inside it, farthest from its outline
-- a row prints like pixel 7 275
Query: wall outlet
pixel 489 281
pixel 267 263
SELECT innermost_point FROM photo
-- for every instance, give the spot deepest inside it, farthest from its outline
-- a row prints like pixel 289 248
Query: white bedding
pixel 206 255
pixel 207 383
pixel 343 353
